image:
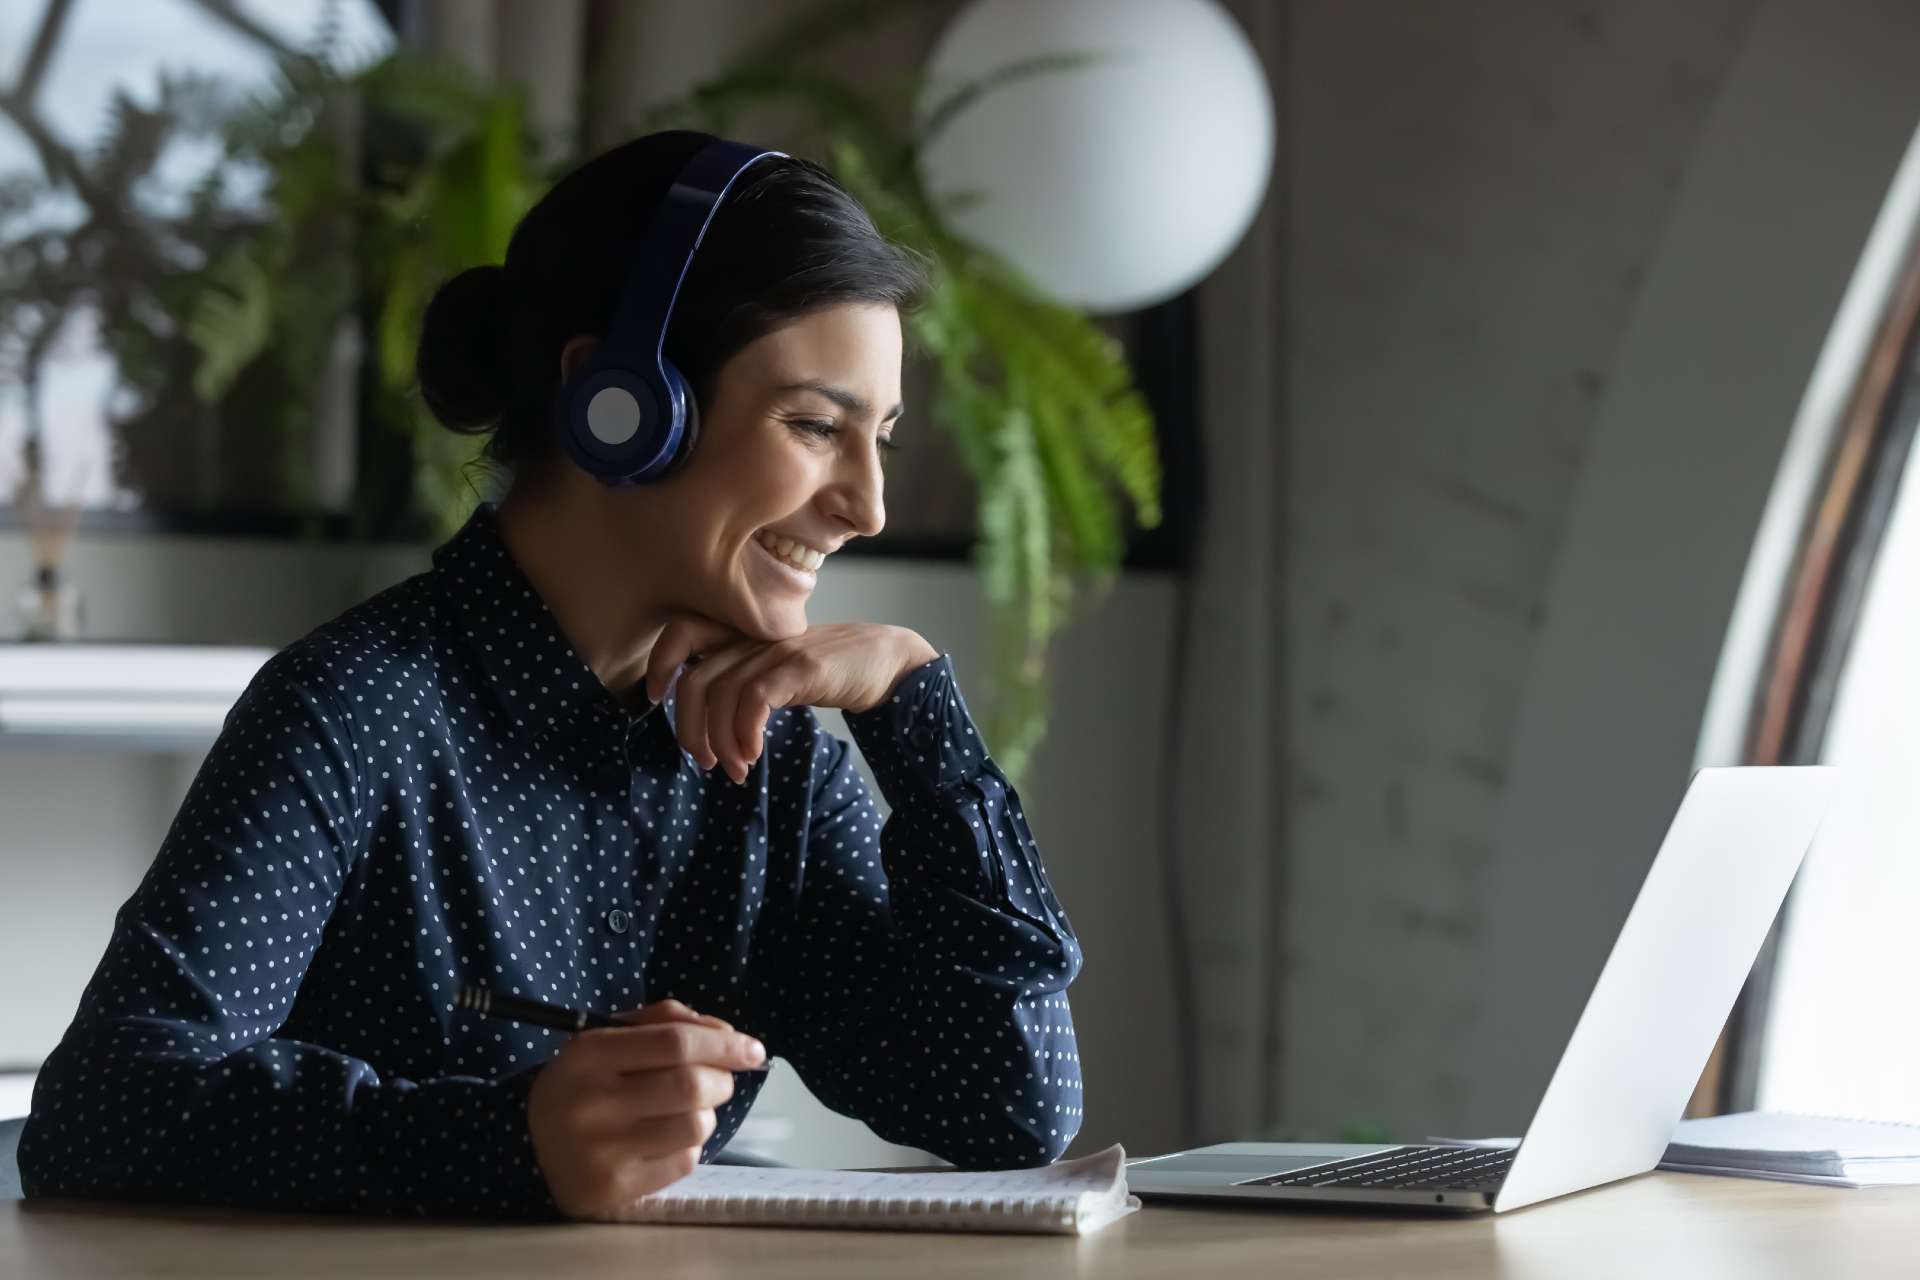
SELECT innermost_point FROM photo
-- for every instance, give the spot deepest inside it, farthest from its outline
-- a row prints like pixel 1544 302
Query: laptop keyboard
pixel 1404 1168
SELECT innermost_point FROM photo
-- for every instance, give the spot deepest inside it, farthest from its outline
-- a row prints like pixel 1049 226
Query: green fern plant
pixel 457 210
pixel 266 309
pixel 335 244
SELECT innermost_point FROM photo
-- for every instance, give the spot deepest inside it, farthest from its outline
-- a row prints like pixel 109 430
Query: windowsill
pixel 120 696
pixel 16 1093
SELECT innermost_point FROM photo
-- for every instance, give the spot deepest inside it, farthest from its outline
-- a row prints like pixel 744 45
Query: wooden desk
pixel 1658 1225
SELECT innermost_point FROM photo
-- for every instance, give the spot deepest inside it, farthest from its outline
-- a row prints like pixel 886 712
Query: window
pixel 1842 1027
pixel 76 77
pixel 1829 1024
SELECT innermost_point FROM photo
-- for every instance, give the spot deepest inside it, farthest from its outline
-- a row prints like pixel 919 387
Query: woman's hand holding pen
pixel 723 702
pixel 620 1112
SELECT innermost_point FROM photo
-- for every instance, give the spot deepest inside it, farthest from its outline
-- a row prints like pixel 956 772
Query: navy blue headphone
pixel 628 415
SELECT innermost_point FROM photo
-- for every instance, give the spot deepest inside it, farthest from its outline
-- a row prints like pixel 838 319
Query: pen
pixel 541 1014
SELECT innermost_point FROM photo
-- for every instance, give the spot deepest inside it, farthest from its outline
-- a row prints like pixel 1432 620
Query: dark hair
pixel 787 240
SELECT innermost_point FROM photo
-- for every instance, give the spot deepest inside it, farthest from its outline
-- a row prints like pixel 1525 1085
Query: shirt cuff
pixel 456 1145
pixel 922 736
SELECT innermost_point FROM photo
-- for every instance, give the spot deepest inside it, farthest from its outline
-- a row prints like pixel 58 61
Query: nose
pixel 855 496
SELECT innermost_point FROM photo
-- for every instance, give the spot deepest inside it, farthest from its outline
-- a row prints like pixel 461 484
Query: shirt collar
pixel 540 681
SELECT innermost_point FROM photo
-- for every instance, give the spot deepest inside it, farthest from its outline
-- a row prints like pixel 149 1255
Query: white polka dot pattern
pixel 432 790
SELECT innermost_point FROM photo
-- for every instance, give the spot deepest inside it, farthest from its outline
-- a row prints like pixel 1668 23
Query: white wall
pixel 1790 172
pixel 1475 193
pixel 77 831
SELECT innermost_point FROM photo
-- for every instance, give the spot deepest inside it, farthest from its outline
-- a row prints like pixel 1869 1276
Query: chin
pixel 782 624
pixel 790 629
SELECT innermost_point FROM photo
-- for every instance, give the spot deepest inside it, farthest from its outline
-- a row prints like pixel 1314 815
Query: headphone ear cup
pixel 613 421
pixel 690 421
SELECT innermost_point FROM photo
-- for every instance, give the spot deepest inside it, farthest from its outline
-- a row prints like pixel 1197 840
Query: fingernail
pixel 756 1051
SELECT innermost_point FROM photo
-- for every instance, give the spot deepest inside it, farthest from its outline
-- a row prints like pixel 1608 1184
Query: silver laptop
pixel 1636 1053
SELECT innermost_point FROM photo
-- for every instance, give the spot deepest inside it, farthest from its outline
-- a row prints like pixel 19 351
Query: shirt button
pixel 921 737
pixel 617 920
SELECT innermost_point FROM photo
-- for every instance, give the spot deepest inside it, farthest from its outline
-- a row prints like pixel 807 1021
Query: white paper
pixel 1089 1192
pixel 1093 1173
pixel 1763 1131
pixel 1784 1147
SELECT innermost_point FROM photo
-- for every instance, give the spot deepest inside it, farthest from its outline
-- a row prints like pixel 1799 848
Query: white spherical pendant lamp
pixel 1113 185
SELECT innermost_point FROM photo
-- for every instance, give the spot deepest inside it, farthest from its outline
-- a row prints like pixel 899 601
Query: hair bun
pixel 463 377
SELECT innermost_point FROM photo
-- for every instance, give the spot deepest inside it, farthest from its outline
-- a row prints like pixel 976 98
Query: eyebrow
pixel 841 396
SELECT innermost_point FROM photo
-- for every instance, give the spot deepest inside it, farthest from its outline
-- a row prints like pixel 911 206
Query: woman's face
pixel 787 469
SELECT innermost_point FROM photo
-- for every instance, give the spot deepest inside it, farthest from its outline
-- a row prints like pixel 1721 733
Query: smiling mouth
pixel 790 552
pixel 786 570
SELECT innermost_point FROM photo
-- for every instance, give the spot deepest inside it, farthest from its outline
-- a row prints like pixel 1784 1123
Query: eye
pixel 824 428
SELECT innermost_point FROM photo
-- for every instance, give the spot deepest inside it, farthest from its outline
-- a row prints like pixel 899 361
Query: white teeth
pixel 793 553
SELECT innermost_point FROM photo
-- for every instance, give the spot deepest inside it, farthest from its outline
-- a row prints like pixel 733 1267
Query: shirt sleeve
pixel 919 981
pixel 172 1081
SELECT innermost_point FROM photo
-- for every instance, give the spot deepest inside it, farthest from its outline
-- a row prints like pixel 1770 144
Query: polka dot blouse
pixel 433 790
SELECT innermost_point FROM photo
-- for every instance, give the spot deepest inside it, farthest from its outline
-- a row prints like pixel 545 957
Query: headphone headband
pixel 629 415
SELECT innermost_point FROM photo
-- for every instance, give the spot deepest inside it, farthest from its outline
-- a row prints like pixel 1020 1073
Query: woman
pixel 466 780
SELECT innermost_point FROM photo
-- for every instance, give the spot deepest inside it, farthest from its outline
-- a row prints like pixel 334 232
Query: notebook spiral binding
pixel 938 1211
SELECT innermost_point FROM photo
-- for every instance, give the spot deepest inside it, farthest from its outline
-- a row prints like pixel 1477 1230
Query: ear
pixel 578 348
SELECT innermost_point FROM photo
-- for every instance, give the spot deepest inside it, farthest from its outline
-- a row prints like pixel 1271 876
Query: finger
pixel 669 1010
pixel 673 1010
pixel 671 1091
pixel 607 1111
pixel 620 1050
pixel 686 635
pixel 657 1135
pixel 691 703
pixel 738 685
pixel 664 1171
pixel 760 696
pixel 681 638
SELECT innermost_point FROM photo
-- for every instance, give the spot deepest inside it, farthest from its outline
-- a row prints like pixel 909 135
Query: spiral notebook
pixel 1072 1197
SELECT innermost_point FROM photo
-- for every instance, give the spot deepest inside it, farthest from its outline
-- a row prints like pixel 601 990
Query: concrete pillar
pixel 541 48
pixel 460 32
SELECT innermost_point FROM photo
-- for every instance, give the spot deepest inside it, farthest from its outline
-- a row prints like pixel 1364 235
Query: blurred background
pixel 1366 453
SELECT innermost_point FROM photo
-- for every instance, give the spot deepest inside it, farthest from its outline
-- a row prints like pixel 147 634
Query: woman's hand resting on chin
pixel 732 684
